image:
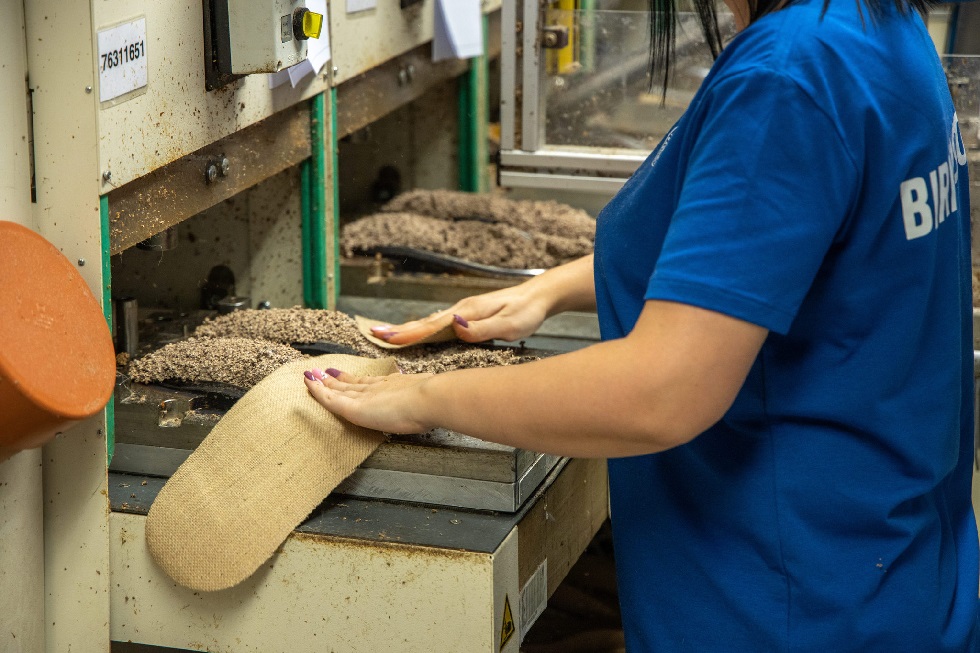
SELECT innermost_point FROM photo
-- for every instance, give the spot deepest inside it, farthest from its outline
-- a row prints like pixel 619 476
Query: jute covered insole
pixel 263 468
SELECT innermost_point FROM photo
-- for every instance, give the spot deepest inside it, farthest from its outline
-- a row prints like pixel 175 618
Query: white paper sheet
pixel 317 53
pixel 458 28
pixel 354 6
pixel 279 78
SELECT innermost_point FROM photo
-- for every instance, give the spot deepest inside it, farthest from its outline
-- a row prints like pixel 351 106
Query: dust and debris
pixel 487 229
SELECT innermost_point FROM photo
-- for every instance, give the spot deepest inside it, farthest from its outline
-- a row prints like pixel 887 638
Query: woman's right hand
pixel 509 313
pixel 506 314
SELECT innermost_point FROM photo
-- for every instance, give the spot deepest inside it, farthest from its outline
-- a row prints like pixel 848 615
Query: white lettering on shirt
pixel 663 146
pixel 922 210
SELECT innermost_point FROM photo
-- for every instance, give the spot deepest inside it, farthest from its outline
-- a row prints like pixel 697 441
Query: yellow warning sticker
pixel 507 628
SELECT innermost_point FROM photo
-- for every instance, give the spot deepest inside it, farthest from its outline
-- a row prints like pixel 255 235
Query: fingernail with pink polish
pixel 318 374
pixel 309 375
pixel 460 321
pixel 333 372
pixel 386 336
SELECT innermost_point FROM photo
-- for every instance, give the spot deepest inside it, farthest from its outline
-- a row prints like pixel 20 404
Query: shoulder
pixel 843 62
pixel 842 45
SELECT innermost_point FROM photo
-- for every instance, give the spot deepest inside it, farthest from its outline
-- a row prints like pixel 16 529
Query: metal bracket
pixel 554 37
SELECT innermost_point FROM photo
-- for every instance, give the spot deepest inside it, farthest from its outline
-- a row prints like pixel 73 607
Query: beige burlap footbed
pixel 260 472
pixel 364 325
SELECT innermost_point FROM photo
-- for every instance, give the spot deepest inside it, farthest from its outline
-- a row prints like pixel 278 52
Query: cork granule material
pixel 240 362
pixel 290 325
pixel 245 346
pixel 499 245
pixel 546 217
pixel 487 229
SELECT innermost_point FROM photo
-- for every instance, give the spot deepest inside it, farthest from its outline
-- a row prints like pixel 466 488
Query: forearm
pixel 575 404
pixel 671 378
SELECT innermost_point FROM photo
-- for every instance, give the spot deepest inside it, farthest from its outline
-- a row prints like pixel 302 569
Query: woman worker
pixel 784 387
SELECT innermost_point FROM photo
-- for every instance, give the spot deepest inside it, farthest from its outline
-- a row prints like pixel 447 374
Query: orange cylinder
pixel 57 364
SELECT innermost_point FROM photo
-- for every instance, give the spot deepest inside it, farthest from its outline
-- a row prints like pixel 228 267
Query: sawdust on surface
pixel 243 347
pixel 241 362
pixel 481 228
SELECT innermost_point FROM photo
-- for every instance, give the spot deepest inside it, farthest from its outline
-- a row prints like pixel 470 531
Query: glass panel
pixel 597 89
pixel 963 75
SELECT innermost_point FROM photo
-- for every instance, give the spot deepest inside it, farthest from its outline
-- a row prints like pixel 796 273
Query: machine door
pixel 578 109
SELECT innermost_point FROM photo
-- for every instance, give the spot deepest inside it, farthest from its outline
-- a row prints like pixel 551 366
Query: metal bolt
pixel 336 70
pixel 402 77
pixel 453 521
pixel 107 176
pixel 550 40
pixel 88 89
pixel 81 262
pixel 211 173
pixel 225 166
pixel 411 71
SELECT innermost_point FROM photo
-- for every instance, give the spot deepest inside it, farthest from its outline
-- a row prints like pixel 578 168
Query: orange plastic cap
pixel 57 364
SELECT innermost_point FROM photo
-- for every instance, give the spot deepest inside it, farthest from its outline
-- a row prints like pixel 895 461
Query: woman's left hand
pixel 383 403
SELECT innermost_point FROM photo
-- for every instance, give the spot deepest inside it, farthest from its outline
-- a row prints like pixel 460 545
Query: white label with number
pixel 122 59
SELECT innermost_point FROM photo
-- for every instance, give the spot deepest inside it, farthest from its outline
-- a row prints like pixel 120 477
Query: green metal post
pixel 313 208
pixel 473 117
pixel 110 410
pixel 336 197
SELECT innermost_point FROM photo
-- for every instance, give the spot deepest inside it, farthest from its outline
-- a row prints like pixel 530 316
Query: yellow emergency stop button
pixel 307 24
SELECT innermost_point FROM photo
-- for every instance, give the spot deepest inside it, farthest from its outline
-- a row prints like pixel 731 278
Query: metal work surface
pixel 366 519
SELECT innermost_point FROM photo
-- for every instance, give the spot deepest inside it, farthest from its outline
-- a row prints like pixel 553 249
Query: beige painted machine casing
pixel 21 485
pixel 365 39
pixel 83 150
pixel 175 116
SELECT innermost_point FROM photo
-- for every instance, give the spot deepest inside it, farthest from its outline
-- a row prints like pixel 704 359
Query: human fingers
pixel 381 403
pixel 336 377
pixel 383 331
pixel 476 307
pixel 420 331
pixel 508 324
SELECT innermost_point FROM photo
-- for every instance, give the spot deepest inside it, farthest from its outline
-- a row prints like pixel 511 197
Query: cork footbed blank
pixel 364 325
pixel 260 472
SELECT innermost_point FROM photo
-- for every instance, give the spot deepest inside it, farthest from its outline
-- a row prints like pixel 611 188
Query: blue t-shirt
pixel 816 186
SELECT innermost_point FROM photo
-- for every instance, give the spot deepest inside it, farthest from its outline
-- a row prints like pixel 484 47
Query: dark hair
pixel 663 23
